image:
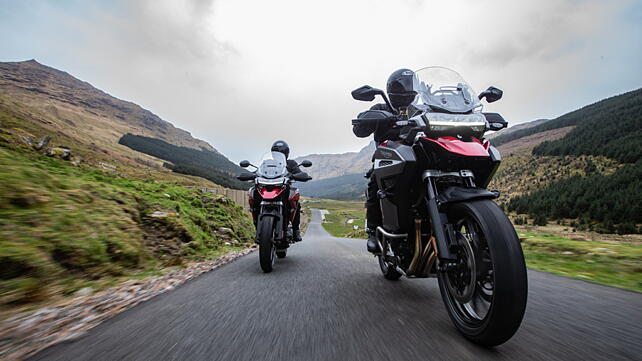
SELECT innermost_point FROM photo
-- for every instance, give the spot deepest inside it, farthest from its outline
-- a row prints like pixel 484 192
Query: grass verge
pixel 618 265
pixel 65 227
pixel 610 262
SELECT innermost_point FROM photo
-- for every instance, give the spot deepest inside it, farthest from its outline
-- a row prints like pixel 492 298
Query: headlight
pixel 457 120
pixel 440 122
pixel 272 182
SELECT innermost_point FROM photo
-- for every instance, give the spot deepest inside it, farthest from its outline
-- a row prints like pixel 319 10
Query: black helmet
pixel 400 88
pixel 281 146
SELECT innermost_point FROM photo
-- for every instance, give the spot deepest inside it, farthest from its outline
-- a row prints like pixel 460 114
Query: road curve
pixel 328 301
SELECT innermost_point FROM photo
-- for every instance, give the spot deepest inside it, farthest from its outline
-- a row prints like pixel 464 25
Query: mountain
pixel 599 115
pixel 38 100
pixel 334 165
pixel 605 192
pixel 202 163
pixel 343 187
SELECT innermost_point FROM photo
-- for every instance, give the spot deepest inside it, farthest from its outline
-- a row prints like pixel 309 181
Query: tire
pixel 266 244
pixel 501 290
pixel 281 253
pixel 389 272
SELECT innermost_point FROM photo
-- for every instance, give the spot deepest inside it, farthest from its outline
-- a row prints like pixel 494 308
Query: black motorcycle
pixel 273 203
pixel 439 220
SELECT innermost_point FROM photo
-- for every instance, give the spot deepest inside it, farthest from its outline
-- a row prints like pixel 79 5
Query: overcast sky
pixel 242 73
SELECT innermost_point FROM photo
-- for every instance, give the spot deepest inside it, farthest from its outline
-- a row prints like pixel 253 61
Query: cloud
pixel 242 73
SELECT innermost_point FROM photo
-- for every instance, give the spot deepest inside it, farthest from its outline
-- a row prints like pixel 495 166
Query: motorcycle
pixel 273 203
pixel 439 220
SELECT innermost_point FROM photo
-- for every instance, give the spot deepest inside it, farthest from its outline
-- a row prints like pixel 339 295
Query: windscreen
pixel 273 165
pixel 444 89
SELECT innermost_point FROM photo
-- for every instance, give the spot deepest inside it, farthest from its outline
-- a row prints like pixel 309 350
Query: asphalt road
pixel 328 301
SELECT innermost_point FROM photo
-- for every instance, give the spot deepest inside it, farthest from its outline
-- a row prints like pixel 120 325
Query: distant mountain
pixel 333 165
pixel 40 100
pixel 344 187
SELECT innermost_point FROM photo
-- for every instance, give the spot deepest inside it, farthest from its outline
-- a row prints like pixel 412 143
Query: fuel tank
pixel 395 166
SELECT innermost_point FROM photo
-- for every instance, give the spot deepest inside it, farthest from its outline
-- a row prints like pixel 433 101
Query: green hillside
pixel 64 227
pixel 202 163
pixel 606 115
pixel 612 128
pixel 606 203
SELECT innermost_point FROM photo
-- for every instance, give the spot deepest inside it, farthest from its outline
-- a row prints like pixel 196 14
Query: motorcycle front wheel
pixel 485 293
pixel 266 245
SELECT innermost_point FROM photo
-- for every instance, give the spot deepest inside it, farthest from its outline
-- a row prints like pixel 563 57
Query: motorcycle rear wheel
pixel 486 306
pixel 266 245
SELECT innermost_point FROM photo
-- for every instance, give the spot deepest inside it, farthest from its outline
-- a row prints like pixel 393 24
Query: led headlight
pixel 445 121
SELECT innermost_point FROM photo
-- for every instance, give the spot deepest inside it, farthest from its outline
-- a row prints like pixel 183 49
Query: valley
pixel 88 220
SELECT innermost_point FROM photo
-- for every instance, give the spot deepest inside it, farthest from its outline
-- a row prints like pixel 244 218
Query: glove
pixel 373 122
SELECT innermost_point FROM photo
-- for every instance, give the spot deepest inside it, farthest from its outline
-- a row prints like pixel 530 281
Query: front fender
pixel 462 194
pixel 277 224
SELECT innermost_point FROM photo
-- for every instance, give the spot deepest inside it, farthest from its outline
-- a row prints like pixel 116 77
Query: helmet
pixel 281 146
pixel 400 88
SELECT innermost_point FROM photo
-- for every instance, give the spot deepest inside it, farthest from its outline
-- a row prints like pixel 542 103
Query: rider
pixel 293 168
pixel 400 89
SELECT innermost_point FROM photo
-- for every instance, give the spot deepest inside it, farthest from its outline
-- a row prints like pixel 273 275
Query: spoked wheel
pixel 485 293
pixel 267 251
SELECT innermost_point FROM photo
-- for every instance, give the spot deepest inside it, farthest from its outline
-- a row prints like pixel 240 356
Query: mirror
pixel 365 93
pixel 246 176
pixel 491 94
pixel 301 177
pixel 306 163
pixel 495 121
pixel 496 126
pixel 244 163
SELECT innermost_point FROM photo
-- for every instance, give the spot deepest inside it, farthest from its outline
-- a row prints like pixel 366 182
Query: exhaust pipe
pixel 430 255
pixel 412 269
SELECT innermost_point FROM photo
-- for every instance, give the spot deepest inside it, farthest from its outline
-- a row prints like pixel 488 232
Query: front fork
pixel 443 230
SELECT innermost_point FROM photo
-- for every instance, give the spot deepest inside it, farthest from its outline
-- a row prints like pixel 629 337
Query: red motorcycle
pixel 273 203
pixel 439 220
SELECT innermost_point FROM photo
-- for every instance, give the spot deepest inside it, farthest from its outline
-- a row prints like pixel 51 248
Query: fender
pixel 274 212
pixel 462 194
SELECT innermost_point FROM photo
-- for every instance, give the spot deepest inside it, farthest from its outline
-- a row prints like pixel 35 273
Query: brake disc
pixel 462 280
